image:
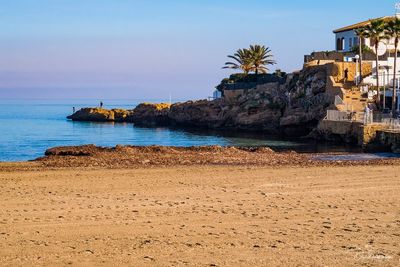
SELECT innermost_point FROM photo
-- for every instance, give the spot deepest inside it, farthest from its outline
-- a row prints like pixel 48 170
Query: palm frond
pixel 255 59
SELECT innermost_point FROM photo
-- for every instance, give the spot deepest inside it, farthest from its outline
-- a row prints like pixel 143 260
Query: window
pixel 343 45
pixel 338 44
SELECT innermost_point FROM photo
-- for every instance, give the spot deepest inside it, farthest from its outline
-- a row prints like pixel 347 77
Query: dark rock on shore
pixel 139 156
pixel 79 151
pixel 135 156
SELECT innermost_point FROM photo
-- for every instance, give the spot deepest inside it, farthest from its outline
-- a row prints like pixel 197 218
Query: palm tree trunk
pixel 394 96
pixel 377 74
pixel 361 59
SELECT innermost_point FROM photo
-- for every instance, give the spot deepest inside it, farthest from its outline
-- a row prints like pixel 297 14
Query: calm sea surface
pixel 29 127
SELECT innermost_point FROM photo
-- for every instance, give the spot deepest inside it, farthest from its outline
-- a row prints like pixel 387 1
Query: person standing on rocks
pixel 346 75
pixel 101 104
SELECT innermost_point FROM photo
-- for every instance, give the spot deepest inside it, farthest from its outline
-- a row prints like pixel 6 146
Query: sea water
pixel 29 127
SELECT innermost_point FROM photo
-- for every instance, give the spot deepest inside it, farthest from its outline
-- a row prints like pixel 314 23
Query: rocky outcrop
pixel 201 113
pixel 292 105
pixel 100 115
pixel 309 101
pixel 147 114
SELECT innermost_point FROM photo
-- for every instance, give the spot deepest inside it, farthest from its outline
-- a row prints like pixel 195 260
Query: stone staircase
pixel 353 100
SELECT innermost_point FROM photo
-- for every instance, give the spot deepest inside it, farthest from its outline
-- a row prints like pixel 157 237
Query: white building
pixel 217 94
pixel 346 40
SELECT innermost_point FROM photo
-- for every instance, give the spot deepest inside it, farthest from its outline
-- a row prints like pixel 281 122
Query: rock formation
pixel 147 114
pixel 100 115
pixel 292 105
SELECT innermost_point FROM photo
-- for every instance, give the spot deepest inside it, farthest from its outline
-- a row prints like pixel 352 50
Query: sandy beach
pixel 200 216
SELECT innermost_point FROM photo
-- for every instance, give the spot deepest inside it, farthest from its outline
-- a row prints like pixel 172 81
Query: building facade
pixel 347 41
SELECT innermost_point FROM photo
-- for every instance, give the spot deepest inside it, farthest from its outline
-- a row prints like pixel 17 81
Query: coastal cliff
pixel 291 105
pixel 147 114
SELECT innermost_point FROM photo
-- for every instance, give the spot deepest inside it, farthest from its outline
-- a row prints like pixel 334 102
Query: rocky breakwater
pixel 291 104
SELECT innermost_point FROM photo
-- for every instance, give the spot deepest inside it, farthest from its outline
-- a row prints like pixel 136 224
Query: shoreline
pixel 134 157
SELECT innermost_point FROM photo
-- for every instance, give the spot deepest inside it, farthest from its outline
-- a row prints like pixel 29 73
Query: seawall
pixel 372 138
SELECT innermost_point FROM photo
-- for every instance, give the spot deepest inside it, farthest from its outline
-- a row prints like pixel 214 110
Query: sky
pixel 151 49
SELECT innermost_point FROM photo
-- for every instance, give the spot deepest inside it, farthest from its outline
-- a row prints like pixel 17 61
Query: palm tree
pixel 393 30
pixel 261 58
pixel 376 32
pixel 243 61
pixel 361 33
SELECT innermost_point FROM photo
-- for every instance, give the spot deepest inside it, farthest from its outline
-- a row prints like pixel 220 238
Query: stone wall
pixel 368 133
pixel 317 63
pixel 339 131
pixel 388 140
pixel 352 67
pixel 324 56
pixel 349 131
pixel 373 138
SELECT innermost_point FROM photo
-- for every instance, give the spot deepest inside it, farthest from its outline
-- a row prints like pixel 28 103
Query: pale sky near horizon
pixel 142 49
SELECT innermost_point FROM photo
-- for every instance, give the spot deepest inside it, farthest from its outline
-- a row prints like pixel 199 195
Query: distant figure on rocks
pixel 101 104
pixel 73 109
pixel 346 75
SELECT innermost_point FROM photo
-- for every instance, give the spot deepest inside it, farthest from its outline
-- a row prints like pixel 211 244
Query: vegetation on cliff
pixel 250 80
pixel 255 59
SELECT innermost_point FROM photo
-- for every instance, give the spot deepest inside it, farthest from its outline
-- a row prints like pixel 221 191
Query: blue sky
pixel 148 49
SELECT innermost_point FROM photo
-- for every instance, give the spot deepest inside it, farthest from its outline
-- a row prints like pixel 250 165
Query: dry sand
pixel 201 216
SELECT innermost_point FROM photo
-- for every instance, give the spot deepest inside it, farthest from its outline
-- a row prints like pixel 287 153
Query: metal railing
pixel 336 115
pixel 380 117
pixel 365 118
pixel 392 124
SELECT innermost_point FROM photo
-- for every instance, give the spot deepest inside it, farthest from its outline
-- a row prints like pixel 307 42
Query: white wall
pixel 350 40
pixel 387 44
pixel 386 76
